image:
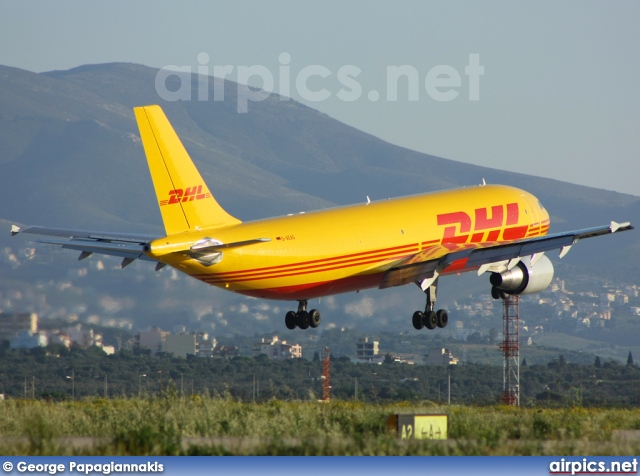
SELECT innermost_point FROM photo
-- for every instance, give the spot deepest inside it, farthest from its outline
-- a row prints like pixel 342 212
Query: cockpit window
pixel 540 205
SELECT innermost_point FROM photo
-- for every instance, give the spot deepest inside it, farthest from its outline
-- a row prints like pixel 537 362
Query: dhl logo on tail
pixel 179 195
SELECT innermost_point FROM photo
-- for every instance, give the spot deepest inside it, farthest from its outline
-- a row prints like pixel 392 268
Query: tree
pixel 597 363
pixel 316 356
pixel 630 359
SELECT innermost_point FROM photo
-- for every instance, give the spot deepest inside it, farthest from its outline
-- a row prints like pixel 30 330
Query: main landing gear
pixel 430 318
pixel 303 318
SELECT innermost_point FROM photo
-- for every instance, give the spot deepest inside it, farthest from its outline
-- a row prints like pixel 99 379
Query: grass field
pixel 221 426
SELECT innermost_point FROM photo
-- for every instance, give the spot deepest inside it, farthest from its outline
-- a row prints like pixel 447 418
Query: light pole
pixel 72 377
pixel 595 382
pixel 140 384
pixel 159 382
pixel 375 386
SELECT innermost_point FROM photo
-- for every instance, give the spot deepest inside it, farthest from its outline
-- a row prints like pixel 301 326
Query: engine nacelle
pixel 524 278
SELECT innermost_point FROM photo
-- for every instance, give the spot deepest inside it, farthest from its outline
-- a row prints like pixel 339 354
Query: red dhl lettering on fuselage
pixel 487 226
pixel 180 195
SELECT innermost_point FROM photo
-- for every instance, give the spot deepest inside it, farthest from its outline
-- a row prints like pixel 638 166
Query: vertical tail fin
pixel 184 199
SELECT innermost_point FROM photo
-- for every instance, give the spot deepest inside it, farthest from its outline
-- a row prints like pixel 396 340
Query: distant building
pixel 151 339
pixel 12 324
pixel 622 299
pixel 440 356
pixel 367 349
pixel 276 349
pixel 82 336
pixel 28 340
pixel 205 344
pixel 60 338
pixel 108 349
pixel 228 351
pixel 180 345
pixel 377 360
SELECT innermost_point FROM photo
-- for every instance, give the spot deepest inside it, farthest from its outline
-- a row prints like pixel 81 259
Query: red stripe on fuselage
pixel 213 279
pixel 337 286
pixel 365 255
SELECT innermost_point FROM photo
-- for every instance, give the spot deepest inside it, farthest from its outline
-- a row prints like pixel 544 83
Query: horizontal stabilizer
pixel 123 245
pixel 122 250
pixel 91 235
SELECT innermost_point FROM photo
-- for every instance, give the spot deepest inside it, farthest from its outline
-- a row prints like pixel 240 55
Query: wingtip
pixel 615 226
pixel 15 230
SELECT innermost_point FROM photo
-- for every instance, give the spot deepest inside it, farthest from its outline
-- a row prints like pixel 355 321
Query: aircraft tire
pixel 303 320
pixel 430 320
pixel 314 318
pixel 498 293
pixel 290 320
pixel 442 318
pixel 417 320
pixel 495 293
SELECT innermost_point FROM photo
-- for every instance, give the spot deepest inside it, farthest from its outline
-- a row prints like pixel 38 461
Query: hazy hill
pixel 70 156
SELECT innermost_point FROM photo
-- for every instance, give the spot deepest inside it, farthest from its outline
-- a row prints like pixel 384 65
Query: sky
pixel 543 88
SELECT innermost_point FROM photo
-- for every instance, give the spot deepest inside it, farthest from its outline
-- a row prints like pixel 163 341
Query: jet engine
pixel 523 278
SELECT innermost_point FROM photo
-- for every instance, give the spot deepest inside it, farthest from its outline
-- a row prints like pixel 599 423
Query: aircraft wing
pixel 127 246
pixel 495 257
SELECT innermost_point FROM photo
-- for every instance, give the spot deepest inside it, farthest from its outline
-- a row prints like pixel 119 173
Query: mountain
pixel 70 156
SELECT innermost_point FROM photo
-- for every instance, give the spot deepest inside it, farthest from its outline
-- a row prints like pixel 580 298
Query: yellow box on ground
pixel 419 427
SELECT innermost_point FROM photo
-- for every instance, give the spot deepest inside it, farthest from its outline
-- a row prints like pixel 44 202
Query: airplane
pixel 495 229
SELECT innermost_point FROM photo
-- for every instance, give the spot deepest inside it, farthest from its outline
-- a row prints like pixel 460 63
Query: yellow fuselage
pixel 349 248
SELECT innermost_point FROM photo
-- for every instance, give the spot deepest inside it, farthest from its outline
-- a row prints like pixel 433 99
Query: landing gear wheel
pixel 430 320
pixel 442 318
pixel 498 293
pixel 417 320
pixel 495 293
pixel 314 318
pixel 303 320
pixel 290 320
